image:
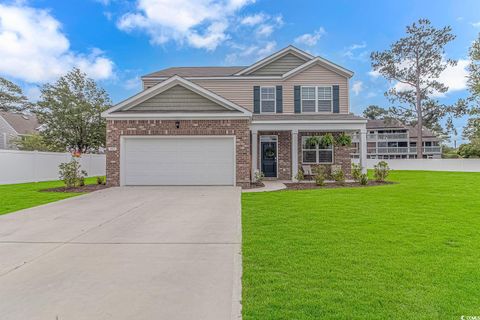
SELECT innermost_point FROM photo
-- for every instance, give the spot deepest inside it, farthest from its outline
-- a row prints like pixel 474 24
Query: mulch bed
pixel 332 185
pixel 256 185
pixel 86 188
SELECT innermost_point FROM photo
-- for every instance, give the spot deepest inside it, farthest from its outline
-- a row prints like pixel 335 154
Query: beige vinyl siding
pixel 279 66
pixel 178 98
pixel 240 91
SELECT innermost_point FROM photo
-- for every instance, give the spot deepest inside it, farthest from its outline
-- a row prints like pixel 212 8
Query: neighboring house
pixel 15 125
pixel 390 139
pixel 220 125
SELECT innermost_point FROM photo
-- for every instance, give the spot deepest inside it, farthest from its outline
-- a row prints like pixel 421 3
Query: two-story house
pixel 221 125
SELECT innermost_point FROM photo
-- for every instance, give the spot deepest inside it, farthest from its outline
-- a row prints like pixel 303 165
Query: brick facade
pixel 239 128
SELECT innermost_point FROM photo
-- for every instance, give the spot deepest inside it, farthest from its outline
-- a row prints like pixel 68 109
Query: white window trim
pixel 317 152
pixel 274 100
pixel 316 98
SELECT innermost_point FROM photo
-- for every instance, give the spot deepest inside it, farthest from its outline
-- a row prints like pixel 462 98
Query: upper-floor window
pixel 267 99
pixel 317 99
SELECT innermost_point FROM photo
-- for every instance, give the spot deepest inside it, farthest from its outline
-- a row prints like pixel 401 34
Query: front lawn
pixel 402 251
pixel 14 197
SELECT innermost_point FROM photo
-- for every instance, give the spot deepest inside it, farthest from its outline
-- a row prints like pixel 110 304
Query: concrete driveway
pixel 124 253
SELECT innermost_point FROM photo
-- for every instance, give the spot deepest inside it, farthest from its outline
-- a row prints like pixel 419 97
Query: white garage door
pixel 178 161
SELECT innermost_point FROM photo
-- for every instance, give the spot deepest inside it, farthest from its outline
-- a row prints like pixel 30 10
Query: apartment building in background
pixel 390 139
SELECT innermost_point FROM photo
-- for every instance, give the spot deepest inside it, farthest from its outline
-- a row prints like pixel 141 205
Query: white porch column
pixel 254 152
pixel 294 144
pixel 362 139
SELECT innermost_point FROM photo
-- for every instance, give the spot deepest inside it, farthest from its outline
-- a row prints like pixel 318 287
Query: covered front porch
pixel 279 147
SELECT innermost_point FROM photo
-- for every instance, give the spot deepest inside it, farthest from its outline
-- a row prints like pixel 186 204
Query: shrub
pixel 327 140
pixel 363 179
pixel 320 176
pixel 356 172
pixel 71 173
pixel 300 176
pixel 259 176
pixel 339 176
pixel 100 180
pixel 344 140
pixel 381 171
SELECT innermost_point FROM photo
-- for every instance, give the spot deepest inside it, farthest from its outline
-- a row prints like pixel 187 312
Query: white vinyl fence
pixel 32 166
pixel 465 165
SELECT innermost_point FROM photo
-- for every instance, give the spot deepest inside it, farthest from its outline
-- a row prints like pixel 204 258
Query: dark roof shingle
pixel 195 72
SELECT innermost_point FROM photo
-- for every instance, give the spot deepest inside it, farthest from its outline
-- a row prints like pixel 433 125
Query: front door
pixel 269 158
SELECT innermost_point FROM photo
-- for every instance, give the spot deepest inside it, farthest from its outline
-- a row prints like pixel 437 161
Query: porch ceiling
pixel 308 122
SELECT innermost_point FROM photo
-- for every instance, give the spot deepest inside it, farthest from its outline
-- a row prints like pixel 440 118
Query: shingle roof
pixel 395 124
pixel 196 72
pixel 330 116
pixel 22 123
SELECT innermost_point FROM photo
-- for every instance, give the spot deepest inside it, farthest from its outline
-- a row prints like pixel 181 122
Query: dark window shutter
pixel 296 99
pixel 279 98
pixel 256 99
pixel 336 99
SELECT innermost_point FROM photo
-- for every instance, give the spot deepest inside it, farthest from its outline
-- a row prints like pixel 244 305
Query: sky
pixel 116 41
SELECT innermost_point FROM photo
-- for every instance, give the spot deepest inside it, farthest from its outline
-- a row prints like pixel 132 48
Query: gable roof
pixel 249 71
pixel 277 55
pixel 122 107
pixel 322 62
pixel 20 122
pixel 195 72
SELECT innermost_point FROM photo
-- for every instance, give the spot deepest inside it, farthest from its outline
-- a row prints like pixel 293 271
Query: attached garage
pixel 177 160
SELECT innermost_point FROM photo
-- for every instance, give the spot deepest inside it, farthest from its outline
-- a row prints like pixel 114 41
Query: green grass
pixel 404 251
pixel 14 197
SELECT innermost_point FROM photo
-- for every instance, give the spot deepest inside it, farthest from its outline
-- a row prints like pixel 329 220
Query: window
pixel 267 99
pixel 317 99
pixel 308 99
pixel 316 153
pixel 325 103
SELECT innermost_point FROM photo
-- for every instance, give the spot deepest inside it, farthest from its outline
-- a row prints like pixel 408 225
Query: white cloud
pixel 200 24
pixel 454 77
pixel 132 83
pixel 354 51
pixel 374 74
pixel 310 39
pixel 252 52
pixel 34 48
pixel 476 24
pixel 254 19
pixel 357 87
pixel 265 30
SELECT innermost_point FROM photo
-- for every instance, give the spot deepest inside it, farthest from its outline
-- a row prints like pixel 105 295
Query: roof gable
pixel 290 50
pixel 21 123
pixel 178 97
pixel 322 62
pixel 280 66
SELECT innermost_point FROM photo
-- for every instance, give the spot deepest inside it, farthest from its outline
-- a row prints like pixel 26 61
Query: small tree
pixel 72 174
pixel 70 110
pixel 416 62
pixel 11 96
